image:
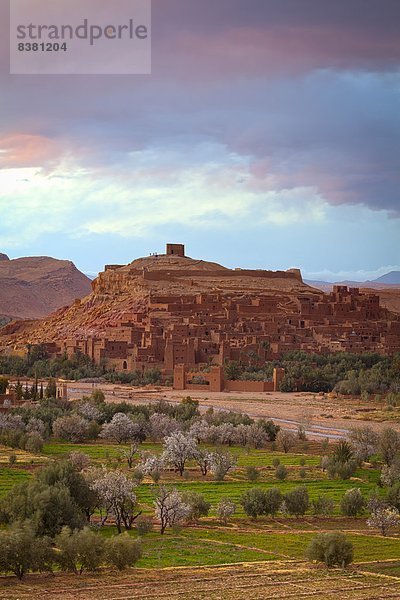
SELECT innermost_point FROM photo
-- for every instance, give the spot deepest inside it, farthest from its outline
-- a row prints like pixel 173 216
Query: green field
pixel 205 545
pixel 10 477
pixel 279 542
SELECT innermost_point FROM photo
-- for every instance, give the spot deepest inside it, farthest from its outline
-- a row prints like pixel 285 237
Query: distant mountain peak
pixel 393 277
pixel 33 287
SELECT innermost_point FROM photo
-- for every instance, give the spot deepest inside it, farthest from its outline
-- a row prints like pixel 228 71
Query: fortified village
pixel 181 315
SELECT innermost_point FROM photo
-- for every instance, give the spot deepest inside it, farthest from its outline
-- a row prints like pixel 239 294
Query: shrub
pixel 252 473
pixel 21 551
pixel 297 501
pixel 393 496
pixel 253 502
pixel 71 428
pixel 352 503
pixel 143 525
pixel 281 472
pixel 332 549
pixel 272 501
pixel 121 551
pixel 342 470
pixel 34 443
pixel 323 506
pixel 198 507
pixel 276 462
pixel 79 550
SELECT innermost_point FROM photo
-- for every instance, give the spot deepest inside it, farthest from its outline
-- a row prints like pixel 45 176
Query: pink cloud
pixel 246 52
pixel 19 150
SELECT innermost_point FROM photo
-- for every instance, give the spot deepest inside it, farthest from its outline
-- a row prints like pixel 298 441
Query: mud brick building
pixel 168 309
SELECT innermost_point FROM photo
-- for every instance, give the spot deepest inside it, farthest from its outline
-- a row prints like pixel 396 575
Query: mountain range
pixel 33 287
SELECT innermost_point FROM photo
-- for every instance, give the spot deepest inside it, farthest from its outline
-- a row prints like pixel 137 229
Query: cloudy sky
pixel 267 136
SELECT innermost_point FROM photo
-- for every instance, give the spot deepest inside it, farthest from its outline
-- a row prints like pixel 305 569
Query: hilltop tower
pixel 175 249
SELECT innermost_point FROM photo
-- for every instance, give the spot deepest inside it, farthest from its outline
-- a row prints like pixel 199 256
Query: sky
pixel 267 136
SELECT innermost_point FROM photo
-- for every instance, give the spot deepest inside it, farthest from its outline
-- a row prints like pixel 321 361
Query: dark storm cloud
pixel 306 90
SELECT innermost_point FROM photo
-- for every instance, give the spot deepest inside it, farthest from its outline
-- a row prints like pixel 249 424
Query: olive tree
pixel 297 501
pixel 122 551
pixel 389 444
pixel 352 503
pixel 79 551
pixel 332 549
pixel 21 551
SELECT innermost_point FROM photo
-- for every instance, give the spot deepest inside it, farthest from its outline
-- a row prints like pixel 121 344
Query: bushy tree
pixel 162 426
pixel 342 470
pixel 352 503
pixel 253 502
pixel 198 506
pixel 281 472
pixel 79 551
pixel 36 426
pixel 389 444
pixel 48 508
pixel 34 443
pixel 252 473
pixel 272 501
pixel 79 460
pixel 323 506
pixel 65 474
pixel 3 385
pixel 122 551
pixel 270 428
pixel 393 495
pixel 71 428
pixel 297 501
pixel 332 549
pixel 143 525
pixel 21 551
pixel 89 411
pixel 199 430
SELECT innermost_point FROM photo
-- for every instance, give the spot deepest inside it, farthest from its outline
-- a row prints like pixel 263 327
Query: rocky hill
pixel 170 309
pixel 123 289
pixel 34 287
